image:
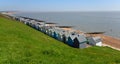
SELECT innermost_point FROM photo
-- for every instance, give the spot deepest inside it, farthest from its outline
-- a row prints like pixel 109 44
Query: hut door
pixel 64 39
pixel 76 43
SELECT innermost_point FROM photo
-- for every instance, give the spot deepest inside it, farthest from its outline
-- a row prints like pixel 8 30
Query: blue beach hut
pixel 65 37
pixel 60 35
pixel 55 35
pixel 70 40
pixel 37 26
pixel 51 32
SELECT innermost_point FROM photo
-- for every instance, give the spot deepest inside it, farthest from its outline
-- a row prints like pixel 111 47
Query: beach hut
pixel 32 23
pixel 47 31
pixel 44 30
pixel 65 36
pixel 95 41
pixel 50 32
pixel 37 26
pixel 60 35
pixel 80 42
pixel 40 22
pixel 21 19
pixel 55 35
pixel 17 18
pixel 60 38
pixel 37 23
pixel 26 22
pixel 41 29
pixel 70 40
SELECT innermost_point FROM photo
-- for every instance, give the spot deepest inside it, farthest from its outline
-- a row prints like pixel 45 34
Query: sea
pixel 108 22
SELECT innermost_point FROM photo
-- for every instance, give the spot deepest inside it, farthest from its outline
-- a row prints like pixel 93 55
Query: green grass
pixel 20 44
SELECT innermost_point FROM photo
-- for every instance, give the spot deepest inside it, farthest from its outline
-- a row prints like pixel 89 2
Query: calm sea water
pixel 109 22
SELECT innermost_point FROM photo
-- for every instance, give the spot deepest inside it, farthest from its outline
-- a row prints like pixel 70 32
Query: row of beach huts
pixel 64 34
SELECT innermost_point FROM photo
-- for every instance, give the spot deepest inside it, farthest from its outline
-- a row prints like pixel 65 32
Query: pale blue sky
pixel 60 5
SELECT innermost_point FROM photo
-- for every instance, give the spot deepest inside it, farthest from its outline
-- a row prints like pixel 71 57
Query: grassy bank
pixel 20 44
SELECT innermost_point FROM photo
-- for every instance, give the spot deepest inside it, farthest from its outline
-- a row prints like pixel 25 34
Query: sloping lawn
pixel 21 44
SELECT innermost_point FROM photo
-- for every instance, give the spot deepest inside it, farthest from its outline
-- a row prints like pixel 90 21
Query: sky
pixel 59 5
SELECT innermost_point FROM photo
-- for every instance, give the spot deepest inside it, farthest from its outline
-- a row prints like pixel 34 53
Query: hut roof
pixel 73 36
pixel 66 34
pixel 81 38
pixel 61 32
pixel 51 30
pixel 97 39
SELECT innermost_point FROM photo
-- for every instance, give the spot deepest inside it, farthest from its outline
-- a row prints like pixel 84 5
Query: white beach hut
pixel 95 41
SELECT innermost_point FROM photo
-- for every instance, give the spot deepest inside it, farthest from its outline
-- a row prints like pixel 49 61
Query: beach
pixel 109 41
